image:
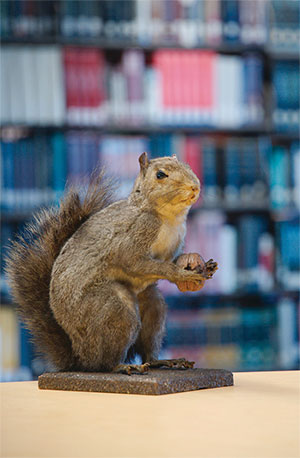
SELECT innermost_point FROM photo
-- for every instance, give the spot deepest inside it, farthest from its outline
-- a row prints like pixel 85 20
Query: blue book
pixel 295 173
pixel 286 90
pixel 8 175
pixel 19 174
pixel 30 174
pixel 211 190
pixel 248 169
pixel 250 229
pixel 59 174
pixel 153 146
pixel 231 22
pixel 288 271
pixel 264 156
pixel 232 172
pixel 74 154
pixel 7 231
pixel 253 89
pixel 5 18
pixel 42 172
pixel 285 24
pixel 160 145
pixel 26 348
pixel 89 148
pixel 279 178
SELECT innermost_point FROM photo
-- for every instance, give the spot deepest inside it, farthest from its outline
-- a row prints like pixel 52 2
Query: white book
pixel 142 22
pixel 231 91
pixel 17 101
pixel 288 348
pixel 221 91
pixel 118 97
pixel 31 84
pixel 5 108
pixel 58 109
pixel 45 96
pixel 228 259
pixel 153 96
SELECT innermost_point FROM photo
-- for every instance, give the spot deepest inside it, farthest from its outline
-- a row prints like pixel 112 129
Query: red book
pixel 71 77
pixel 72 83
pixel 91 69
pixel 187 82
pixel 193 157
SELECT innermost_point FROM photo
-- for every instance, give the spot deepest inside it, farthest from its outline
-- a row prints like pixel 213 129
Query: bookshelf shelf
pixel 152 129
pixel 115 45
pixel 254 298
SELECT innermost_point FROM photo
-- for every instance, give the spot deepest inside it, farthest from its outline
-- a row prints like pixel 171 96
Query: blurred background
pixel 215 82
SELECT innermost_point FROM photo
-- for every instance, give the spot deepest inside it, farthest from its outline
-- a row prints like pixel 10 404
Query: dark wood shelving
pixel 153 129
pixel 119 45
pixel 248 296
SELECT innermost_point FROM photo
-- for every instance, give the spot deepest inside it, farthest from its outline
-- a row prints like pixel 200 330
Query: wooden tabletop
pixel 258 417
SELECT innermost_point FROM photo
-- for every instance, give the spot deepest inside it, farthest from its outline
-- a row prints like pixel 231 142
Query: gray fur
pixel 103 305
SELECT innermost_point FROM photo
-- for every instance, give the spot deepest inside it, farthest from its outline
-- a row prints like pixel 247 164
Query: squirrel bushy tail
pixel 30 260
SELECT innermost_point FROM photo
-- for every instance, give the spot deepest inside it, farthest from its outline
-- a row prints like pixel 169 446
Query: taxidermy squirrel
pixel 85 281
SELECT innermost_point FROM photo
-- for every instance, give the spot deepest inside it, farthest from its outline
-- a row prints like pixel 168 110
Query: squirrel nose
pixel 195 188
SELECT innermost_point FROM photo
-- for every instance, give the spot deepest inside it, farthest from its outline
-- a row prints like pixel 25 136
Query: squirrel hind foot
pixel 131 368
pixel 180 363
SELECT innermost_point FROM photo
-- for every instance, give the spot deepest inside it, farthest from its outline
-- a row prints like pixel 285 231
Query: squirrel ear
pixel 144 162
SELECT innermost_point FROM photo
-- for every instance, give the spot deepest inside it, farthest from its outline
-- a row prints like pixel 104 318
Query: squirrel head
pixel 165 185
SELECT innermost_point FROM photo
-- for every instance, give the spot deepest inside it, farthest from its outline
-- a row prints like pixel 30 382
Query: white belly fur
pixel 169 239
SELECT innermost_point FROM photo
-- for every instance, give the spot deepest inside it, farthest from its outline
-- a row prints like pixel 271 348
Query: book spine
pixel 287 334
pixel 231 23
pixel 232 168
pixel 295 159
pixel 279 190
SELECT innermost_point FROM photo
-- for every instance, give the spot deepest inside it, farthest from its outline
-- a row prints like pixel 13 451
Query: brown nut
pixel 185 286
pixel 191 261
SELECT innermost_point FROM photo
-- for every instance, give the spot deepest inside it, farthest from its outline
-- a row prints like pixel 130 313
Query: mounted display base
pixel 155 381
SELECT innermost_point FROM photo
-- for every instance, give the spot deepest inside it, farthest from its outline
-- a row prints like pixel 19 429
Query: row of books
pixel 286 95
pixel 156 22
pixel 288 253
pixel 236 338
pixel 234 172
pixel 47 85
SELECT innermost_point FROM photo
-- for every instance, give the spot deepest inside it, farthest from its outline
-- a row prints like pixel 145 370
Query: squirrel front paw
pixel 193 263
pixel 210 267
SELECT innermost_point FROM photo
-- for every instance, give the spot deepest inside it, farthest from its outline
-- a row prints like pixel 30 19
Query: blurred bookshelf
pixel 89 83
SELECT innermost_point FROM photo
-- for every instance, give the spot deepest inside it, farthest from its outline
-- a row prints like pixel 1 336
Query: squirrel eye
pixel 160 174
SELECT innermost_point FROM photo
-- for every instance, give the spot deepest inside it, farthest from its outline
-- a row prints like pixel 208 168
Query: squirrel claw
pixel 210 268
pixel 132 368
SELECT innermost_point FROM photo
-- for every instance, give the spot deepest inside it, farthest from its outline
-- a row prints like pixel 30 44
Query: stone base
pixel 155 381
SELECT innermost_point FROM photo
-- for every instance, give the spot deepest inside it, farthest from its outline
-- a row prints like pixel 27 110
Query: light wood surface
pixel 258 417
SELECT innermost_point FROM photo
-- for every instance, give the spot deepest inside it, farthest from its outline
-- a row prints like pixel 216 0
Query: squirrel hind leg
pixel 152 309
pixel 108 325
